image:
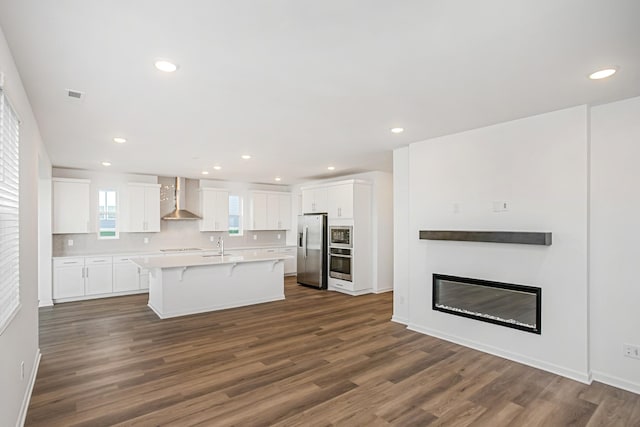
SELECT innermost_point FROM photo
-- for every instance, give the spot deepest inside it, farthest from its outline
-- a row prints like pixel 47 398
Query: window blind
pixel 9 213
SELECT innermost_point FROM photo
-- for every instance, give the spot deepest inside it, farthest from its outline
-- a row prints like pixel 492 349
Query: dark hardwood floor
pixel 314 359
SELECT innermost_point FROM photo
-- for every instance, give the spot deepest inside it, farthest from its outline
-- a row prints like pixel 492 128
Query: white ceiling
pixel 303 84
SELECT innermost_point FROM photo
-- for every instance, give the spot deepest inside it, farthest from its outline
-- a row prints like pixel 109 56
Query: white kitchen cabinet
pixel 214 209
pixel 126 275
pixel 98 275
pixel 68 278
pixel 314 200
pixel 278 211
pixel 270 211
pixel 144 208
pixel 290 264
pixel 340 201
pixel 258 211
pixel 71 206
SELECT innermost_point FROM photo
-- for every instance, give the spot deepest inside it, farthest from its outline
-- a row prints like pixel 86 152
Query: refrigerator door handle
pixel 306 241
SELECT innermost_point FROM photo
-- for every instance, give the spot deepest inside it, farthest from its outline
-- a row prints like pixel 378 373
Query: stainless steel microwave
pixel 341 236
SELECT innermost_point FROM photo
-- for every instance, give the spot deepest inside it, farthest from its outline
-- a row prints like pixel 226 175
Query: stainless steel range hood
pixel 179 213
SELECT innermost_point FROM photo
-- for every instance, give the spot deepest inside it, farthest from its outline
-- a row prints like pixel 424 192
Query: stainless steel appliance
pixel 312 250
pixel 340 263
pixel 340 236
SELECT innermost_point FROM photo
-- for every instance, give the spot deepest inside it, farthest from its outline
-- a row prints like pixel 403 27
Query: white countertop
pixel 190 260
pixel 157 252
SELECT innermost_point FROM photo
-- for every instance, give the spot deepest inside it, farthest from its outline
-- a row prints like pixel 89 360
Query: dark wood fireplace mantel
pixel 518 237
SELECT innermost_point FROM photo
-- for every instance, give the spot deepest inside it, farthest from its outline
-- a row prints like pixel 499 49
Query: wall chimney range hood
pixel 179 213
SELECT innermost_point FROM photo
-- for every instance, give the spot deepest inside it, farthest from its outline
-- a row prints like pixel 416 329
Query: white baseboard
pixel 27 396
pixel 583 377
pixel 45 303
pixel 616 382
pixel 399 319
pixel 381 291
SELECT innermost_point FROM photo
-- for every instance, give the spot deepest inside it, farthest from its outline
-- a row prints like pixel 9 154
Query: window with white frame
pixel 9 213
pixel 235 215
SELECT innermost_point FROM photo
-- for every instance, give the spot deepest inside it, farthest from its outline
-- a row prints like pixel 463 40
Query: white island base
pixel 196 287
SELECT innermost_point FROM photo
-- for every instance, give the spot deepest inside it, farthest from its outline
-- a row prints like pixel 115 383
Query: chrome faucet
pixel 221 245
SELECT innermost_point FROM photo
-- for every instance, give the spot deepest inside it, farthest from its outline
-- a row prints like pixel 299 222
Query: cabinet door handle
pixel 87 272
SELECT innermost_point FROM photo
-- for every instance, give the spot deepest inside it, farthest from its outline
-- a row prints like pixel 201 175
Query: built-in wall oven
pixel 340 252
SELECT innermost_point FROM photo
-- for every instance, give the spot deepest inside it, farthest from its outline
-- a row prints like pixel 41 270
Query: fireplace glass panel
pixel 515 306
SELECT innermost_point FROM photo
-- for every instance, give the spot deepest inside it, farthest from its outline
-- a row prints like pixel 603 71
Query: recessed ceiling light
pixel 106 163
pixel 216 167
pixel 603 74
pixel 277 178
pixel 331 168
pixel 246 156
pixel 205 172
pixel 166 66
pixel 119 140
pixel 397 130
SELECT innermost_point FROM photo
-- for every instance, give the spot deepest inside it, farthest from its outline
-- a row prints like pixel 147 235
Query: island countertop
pixel 176 261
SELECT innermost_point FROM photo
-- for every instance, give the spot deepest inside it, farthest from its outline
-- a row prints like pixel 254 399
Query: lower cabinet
pixel 68 278
pixel 90 277
pixel 290 264
pixel 125 275
pixel 98 276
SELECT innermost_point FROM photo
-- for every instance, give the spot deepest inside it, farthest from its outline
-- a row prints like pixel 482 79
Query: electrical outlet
pixel 211 239
pixel 146 240
pixel 455 208
pixel 70 242
pixel 22 370
pixel 630 350
pixel 279 236
pixel 500 206
pixel 255 237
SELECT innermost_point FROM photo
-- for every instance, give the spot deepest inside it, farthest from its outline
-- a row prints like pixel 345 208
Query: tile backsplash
pixel 173 234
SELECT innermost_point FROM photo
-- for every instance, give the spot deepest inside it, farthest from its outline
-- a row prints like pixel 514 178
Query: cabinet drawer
pixel 68 262
pixel 343 285
pixel 98 260
pixel 121 259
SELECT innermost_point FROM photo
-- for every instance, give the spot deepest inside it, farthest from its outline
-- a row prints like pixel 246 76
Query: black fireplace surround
pixel 506 304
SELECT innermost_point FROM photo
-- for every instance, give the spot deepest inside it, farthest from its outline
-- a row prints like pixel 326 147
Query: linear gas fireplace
pixel 506 304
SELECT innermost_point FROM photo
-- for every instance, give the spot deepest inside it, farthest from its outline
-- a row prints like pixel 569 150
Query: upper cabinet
pixel 144 207
pixel 340 201
pixel 269 211
pixel 214 209
pixel 71 206
pixel 315 200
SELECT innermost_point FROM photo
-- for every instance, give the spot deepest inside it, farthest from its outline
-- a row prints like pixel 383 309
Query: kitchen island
pixel 180 285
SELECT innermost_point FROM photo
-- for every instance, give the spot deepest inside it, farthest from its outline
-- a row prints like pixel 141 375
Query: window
pixel 107 214
pixel 9 213
pixel 235 215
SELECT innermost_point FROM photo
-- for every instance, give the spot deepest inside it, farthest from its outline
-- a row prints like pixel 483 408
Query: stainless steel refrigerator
pixel 312 250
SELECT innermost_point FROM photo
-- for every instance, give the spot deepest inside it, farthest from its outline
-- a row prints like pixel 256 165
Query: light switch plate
pixel 70 242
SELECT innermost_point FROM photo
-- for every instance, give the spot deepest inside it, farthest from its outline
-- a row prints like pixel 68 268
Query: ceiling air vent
pixel 75 94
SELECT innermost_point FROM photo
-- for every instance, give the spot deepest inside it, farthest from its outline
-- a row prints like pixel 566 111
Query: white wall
pixel 538 165
pixel 614 237
pixel 19 342
pixel 401 235
pixel 45 290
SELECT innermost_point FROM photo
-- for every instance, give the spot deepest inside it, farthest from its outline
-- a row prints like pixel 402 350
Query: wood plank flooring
pixel 315 359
